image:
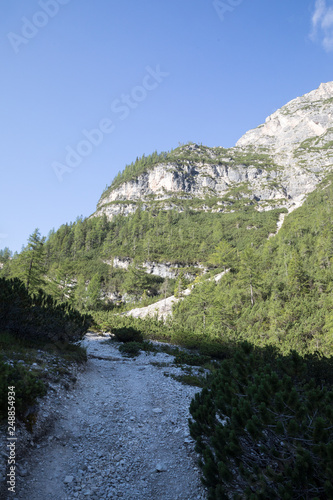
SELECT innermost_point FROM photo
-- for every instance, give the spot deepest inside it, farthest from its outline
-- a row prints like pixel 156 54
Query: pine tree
pixel 223 256
pixel 297 278
pixel 29 265
pixel 80 293
pixel 165 287
pixel 5 254
pixel 180 285
pixel 94 292
pixel 137 280
pixel 249 271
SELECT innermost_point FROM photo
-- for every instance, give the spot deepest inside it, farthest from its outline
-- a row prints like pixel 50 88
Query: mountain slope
pixel 272 166
pixel 279 293
pixel 308 116
pixel 172 215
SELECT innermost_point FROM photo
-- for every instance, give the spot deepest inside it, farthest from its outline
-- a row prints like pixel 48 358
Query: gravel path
pixel 122 433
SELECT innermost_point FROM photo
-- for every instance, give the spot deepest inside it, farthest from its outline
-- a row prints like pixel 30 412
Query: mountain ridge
pixel 272 166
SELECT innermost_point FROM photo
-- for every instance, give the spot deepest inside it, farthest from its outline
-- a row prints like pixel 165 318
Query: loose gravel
pixel 122 432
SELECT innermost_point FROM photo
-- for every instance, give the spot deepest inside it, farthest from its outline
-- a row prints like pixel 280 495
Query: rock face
pixel 309 116
pixel 273 165
pixel 163 270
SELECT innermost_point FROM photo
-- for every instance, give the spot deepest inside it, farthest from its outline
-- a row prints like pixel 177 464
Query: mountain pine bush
pixel 127 334
pixel 38 316
pixel 264 429
pixel 27 388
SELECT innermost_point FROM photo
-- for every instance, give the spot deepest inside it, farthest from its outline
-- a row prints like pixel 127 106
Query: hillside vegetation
pixel 279 293
pixel 74 262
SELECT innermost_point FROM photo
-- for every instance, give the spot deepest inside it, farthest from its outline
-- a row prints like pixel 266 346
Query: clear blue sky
pixel 70 65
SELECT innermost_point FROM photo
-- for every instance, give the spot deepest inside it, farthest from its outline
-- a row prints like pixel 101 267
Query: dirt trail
pixel 122 433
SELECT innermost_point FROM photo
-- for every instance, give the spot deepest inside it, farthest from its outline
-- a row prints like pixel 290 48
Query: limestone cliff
pixel 273 165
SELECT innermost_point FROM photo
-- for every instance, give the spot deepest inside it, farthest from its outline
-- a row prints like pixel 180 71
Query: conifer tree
pixel 29 265
pixel 5 254
pixel 80 293
pixel 137 280
pixel 249 271
pixel 180 285
pixel 297 279
pixel 94 292
pixel 223 256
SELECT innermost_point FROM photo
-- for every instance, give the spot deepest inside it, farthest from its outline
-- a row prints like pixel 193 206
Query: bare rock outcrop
pixel 273 165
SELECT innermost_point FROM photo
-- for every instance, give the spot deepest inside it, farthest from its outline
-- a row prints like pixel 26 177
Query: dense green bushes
pixel 128 334
pixel 278 293
pixel 131 349
pixel 27 388
pixel 264 429
pixel 207 346
pixel 38 316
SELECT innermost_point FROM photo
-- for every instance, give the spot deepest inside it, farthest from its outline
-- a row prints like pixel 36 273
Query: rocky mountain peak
pixel 310 115
pixel 272 166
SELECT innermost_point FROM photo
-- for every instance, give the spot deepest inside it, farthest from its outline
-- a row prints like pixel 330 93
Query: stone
pixel 160 467
pixel 68 479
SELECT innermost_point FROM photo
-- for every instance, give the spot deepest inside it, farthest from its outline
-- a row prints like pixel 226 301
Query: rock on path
pixel 123 433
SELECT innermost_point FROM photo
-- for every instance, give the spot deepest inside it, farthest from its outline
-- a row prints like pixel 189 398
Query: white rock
pixel 68 479
pixel 157 410
pixel 160 467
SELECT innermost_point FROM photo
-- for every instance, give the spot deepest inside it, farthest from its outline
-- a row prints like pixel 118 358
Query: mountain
pixel 272 166
pixel 303 118
pixel 168 219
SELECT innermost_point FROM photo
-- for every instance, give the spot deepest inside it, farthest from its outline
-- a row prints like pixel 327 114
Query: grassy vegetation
pixel 190 379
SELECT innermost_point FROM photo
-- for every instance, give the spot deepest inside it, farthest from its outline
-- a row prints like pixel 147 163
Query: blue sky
pixel 88 86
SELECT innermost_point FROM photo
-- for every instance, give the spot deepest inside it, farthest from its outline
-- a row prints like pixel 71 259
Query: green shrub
pixel 214 349
pixel 74 353
pixel 38 316
pixel 190 379
pixel 27 388
pixel 148 347
pixel 186 338
pixel 131 349
pixel 183 358
pixel 128 334
pixel 264 427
